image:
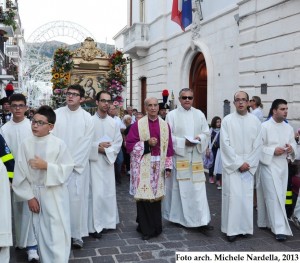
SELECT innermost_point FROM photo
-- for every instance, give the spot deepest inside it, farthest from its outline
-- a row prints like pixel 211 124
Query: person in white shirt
pixel 75 127
pixel 186 202
pixel 240 145
pixel 257 106
pixel 278 145
pixel 14 132
pixel 130 112
pixel 44 165
pixel 106 144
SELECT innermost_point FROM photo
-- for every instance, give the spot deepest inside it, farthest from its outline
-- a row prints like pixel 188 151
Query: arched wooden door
pixel 198 82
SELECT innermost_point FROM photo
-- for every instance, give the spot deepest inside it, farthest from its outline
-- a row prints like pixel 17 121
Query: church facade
pixel 231 45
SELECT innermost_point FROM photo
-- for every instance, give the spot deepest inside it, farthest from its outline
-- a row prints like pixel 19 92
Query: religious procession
pixel 183 136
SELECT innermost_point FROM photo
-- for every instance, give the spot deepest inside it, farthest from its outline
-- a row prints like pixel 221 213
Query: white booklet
pixel 191 139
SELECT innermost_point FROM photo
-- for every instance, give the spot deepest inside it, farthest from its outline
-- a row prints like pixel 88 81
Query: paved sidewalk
pixel 125 245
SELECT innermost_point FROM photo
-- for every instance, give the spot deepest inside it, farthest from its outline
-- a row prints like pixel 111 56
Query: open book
pixel 191 139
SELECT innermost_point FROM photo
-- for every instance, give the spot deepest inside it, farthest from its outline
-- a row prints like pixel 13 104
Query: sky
pixel 103 18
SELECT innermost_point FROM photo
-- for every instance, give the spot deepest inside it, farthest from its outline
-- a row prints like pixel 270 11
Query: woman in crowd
pixel 214 146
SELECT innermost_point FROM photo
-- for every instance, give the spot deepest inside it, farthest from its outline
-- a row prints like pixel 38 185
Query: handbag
pixel 208 158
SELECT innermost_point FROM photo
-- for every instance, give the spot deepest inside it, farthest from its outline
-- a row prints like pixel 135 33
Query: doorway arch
pixel 198 82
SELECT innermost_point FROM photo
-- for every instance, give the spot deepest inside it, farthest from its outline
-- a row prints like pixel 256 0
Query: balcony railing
pixel 136 40
pixel 13 51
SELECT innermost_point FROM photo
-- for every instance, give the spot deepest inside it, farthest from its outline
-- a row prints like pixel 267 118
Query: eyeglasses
pixel 69 94
pixel 187 97
pixel 39 123
pixel 106 101
pixel 241 100
pixel 252 100
pixel 16 106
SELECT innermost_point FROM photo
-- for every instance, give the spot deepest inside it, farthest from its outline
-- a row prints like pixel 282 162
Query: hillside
pixel 47 48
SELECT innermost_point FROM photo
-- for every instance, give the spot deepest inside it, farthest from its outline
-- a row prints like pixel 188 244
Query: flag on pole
pixel 182 13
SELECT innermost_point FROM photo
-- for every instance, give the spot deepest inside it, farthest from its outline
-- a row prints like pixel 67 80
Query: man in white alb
pixel 278 145
pixel 14 132
pixel 185 202
pixel 44 165
pixel 240 144
pixel 75 127
pixel 107 141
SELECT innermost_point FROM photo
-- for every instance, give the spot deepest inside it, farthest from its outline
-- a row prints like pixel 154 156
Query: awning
pixel 7 77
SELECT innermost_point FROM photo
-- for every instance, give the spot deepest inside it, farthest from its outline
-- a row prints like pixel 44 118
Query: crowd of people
pixel 64 166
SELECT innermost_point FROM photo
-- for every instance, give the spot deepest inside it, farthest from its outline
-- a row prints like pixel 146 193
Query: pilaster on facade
pixel 268 57
pixel 269 50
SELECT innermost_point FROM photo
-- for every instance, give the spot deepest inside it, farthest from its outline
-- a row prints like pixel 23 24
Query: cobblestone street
pixel 125 245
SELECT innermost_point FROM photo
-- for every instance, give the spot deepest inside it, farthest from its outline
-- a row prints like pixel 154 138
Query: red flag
pixel 176 14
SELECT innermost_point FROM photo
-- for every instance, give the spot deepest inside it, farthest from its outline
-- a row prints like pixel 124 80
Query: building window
pixel 142 11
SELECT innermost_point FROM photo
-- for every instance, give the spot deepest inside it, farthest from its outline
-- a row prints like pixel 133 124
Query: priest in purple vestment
pixel 149 143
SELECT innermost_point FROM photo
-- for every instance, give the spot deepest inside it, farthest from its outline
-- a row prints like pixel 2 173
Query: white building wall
pixel 269 52
pixel 221 40
pixel 263 48
pixel 169 68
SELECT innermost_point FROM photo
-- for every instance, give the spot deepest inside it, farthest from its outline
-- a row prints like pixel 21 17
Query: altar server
pixel 279 145
pixel 75 127
pixel 14 132
pixel 43 166
pixel 240 143
pixel 107 141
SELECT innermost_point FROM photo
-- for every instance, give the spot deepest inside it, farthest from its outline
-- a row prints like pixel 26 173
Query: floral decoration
pixel 115 79
pixel 8 17
pixel 62 65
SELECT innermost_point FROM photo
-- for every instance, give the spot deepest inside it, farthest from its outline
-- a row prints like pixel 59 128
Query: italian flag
pixel 182 13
